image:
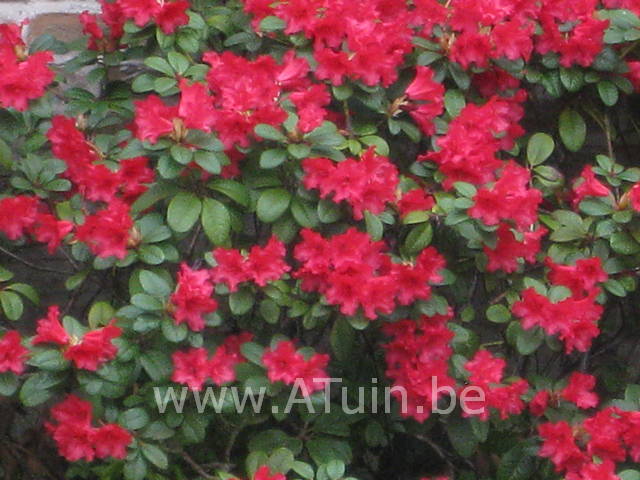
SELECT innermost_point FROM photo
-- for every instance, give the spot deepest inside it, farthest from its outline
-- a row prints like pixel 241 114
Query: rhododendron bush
pixel 413 226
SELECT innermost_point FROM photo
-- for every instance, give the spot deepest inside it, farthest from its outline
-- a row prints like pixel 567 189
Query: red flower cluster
pixel 12 353
pixel 512 245
pixel 573 319
pixel 418 353
pixel 468 151
pixel 154 119
pixel 353 272
pixel 193 368
pixel 94 180
pixel 487 373
pixel 610 435
pixel 23 214
pixel 365 184
pixel 509 199
pixel 111 17
pixel 284 364
pixel 262 265
pixel 577 45
pixel 587 185
pixel 264 473
pixel 415 200
pixel 168 15
pixel 77 439
pixel 24 77
pixel 426 99
pixel 361 40
pixel 107 232
pixel 90 352
pixel 192 298
pixel 579 391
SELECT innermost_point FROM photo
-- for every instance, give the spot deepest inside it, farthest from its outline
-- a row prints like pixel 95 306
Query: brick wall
pixel 56 17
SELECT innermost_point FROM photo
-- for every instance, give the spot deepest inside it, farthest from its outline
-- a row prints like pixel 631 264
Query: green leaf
pixel 11 305
pixel 135 469
pixel 269 133
pixel 375 229
pixel 178 62
pixel 26 291
pixel 172 332
pixel 342 339
pixel 572 78
pixel 272 204
pixel 608 93
pixel 273 158
pixel 324 450
pixel 216 221
pixel 154 284
pixel 572 129
pixel 133 418
pixel 232 189
pixel 498 314
pixel 281 460
pixel 159 64
pixel 240 302
pixel 252 352
pixel 182 155
pixel 539 148
pixel 629 475
pixel 37 388
pixel 155 455
pixel 158 365
pixel 516 464
pixel 271 24
pixel 623 243
pixel 209 161
pixel 8 384
pixel 454 102
pixel 304 213
pixel 101 313
pixel 461 436
pixel 183 212
pixel 418 238
pixel 6 156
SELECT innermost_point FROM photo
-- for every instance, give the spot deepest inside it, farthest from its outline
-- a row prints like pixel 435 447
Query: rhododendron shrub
pixel 269 239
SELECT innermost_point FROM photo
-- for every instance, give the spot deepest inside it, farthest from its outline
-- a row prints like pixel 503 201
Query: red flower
pixel 95 348
pixel 48 229
pixel 509 249
pixel 266 264
pixel 427 99
pixel 264 473
pixel 262 265
pixel 484 368
pixel 12 353
pixel 77 439
pixel 17 215
pixel 191 368
pixel 192 298
pixel 581 279
pixel 285 364
pixel 539 403
pixel 107 231
pixel 24 77
pixel 222 365
pixel 365 184
pixel 588 186
pixel 310 104
pixel 579 390
pixel 167 15
pixel 111 440
pixel 50 330
pixel 558 445
pixel 415 200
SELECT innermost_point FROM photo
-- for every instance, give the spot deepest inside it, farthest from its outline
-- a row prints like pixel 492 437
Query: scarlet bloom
pixel 24 77
pixel 579 390
pixel 262 265
pixel 12 353
pixel 365 184
pixel 426 99
pixel 48 229
pixel 509 249
pixel 587 185
pixel 77 439
pixel 264 473
pixel 191 368
pixel 167 15
pixel 285 364
pixel 539 403
pixel 581 278
pixel 559 445
pixel 107 231
pixel 154 119
pixel 415 200
pixel 111 440
pixel 17 215
pixel 192 298
pixel 50 330
pixel 95 348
